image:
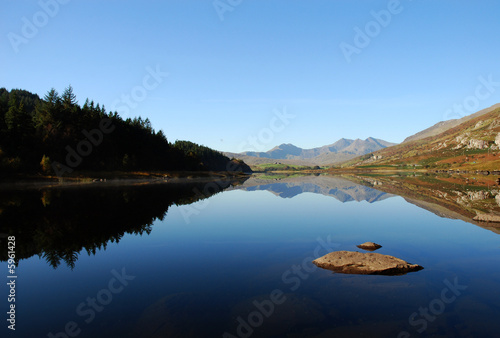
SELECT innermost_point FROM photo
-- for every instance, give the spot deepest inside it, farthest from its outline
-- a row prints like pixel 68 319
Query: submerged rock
pixel 365 263
pixel 370 246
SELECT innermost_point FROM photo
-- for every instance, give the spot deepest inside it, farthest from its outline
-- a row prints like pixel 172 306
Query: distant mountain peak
pixel 342 150
pixel 287 145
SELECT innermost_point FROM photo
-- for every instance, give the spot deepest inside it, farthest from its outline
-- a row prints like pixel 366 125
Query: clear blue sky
pixel 227 77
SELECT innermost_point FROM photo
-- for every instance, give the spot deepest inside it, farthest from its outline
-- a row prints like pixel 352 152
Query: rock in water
pixel 365 263
pixel 370 246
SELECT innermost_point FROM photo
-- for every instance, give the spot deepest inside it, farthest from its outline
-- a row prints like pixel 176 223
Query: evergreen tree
pixel 47 112
pixel 68 98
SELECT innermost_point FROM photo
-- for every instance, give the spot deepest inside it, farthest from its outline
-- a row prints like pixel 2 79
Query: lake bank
pixel 35 180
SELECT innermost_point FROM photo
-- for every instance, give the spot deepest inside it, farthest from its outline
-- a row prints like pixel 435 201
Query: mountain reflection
pixel 470 198
pixel 334 186
pixel 59 223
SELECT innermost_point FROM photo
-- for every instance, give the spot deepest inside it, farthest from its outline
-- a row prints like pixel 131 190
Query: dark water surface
pixel 161 260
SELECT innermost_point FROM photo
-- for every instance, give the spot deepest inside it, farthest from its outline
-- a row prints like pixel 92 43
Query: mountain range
pixel 443 145
pixel 340 151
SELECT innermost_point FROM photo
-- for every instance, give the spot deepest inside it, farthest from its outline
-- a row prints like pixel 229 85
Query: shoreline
pixel 114 177
pixel 119 177
pixel 381 170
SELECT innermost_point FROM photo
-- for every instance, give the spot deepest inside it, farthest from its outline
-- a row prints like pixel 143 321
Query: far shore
pixel 386 169
pixel 120 177
pixel 117 177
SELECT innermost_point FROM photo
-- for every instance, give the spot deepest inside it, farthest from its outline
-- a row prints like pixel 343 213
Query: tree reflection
pixel 60 223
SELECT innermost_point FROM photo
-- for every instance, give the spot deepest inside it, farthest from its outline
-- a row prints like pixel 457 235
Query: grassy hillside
pixel 472 145
pixel 283 167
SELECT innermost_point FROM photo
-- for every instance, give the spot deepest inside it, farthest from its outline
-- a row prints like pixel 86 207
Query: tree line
pixel 55 135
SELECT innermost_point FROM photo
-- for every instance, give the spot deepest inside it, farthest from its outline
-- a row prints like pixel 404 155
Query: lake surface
pixel 187 259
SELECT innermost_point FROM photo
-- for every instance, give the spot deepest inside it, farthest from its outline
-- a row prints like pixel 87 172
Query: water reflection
pixel 59 223
pixel 334 186
pixel 201 279
pixel 474 199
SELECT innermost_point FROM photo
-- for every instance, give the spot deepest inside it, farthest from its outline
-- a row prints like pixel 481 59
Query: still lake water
pixel 141 261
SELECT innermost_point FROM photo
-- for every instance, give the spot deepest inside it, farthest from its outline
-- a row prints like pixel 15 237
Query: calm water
pixel 163 261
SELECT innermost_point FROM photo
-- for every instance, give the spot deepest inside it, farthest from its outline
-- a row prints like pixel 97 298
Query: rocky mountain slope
pixel 443 126
pixel 473 144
